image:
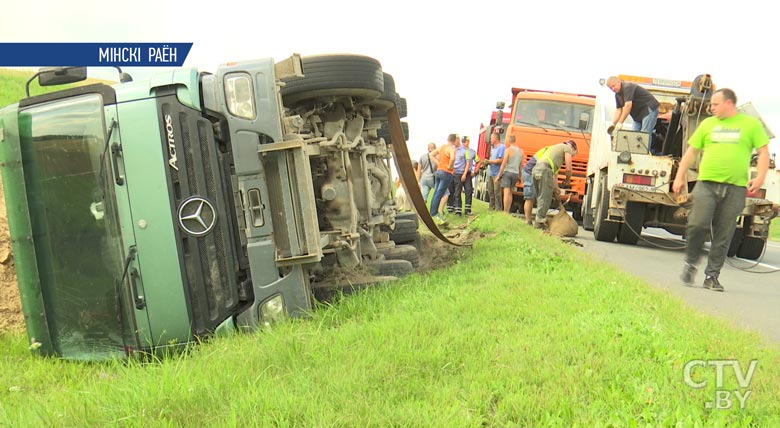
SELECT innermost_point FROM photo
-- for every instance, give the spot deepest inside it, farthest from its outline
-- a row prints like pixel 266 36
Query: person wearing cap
pixel 635 100
pixel 468 184
pixel 549 161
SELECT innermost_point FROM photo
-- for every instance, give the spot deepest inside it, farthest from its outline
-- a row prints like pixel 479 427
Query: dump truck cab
pixel 147 215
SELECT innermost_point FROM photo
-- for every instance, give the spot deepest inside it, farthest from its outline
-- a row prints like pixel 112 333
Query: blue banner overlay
pixel 93 54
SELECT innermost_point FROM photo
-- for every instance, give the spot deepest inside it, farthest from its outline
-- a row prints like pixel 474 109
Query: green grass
pixel 13 82
pixel 521 331
pixel 774 230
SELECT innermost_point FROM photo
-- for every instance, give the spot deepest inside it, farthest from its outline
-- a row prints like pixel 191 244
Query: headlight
pixel 272 310
pixel 240 96
pixel 624 157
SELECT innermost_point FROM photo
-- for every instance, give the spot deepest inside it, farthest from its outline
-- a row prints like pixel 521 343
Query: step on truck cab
pixel 147 215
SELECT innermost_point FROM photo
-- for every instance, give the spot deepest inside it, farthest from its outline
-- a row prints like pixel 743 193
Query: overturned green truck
pixel 145 215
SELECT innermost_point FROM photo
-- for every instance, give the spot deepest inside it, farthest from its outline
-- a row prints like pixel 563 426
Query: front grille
pixel 208 262
pixel 579 167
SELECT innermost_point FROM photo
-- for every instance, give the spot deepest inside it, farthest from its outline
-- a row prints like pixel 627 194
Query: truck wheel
pixel 587 211
pixel 629 231
pixel 405 231
pixel 401 105
pixel 751 248
pixel 408 216
pixel 396 268
pixel 736 241
pixel 384 131
pixel 387 100
pixel 576 213
pixel 517 204
pixel 402 252
pixel 335 75
pixel 604 230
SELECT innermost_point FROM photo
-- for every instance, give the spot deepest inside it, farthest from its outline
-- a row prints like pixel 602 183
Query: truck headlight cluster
pixel 240 95
pixel 272 310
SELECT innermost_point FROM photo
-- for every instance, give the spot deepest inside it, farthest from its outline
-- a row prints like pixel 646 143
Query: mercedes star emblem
pixel 197 216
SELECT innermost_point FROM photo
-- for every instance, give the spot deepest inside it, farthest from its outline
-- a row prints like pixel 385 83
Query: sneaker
pixel 712 283
pixel 689 271
pixel 439 220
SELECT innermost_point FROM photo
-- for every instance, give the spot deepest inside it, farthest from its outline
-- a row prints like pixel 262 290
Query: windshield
pixel 554 115
pixel 74 224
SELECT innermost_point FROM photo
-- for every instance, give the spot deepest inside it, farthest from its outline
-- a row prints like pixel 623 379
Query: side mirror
pixel 52 76
pixel 61 75
pixel 584 121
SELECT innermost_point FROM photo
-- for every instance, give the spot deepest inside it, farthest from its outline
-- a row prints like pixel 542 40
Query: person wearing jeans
pixel 726 141
pixel 635 100
pixel 494 164
pixel 426 167
pixel 443 174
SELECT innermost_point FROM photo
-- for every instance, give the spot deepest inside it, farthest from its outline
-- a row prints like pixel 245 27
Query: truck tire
pixel 408 216
pixel 631 229
pixel 751 248
pixel 576 213
pixel 335 75
pixel 736 241
pixel 402 252
pixel 603 230
pixel 587 211
pixel 405 231
pixel 396 268
pixel 401 106
pixel 388 99
pixel 384 131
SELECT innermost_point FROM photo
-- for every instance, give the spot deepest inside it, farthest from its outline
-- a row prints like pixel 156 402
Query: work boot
pixel 689 271
pixel 712 283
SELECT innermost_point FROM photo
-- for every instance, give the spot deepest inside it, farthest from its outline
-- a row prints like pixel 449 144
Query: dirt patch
pixel 11 318
pixel 436 254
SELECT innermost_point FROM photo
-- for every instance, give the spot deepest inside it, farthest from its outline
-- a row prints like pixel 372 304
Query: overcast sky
pixel 452 61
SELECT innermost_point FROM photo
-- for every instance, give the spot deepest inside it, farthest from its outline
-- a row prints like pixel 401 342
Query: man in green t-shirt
pixel 726 140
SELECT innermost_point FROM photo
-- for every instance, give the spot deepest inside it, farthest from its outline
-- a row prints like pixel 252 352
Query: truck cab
pixel 542 118
pixel 146 215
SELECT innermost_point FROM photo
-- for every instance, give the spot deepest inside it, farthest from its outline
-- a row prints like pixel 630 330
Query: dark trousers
pixel 716 206
pixel 496 196
pixel 468 189
pixel 455 203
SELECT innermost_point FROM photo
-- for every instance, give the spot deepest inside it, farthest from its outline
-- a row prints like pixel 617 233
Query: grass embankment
pixel 774 230
pixel 522 331
pixel 13 83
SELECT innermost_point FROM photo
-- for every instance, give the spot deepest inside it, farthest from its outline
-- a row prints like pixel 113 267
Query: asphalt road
pixel 751 300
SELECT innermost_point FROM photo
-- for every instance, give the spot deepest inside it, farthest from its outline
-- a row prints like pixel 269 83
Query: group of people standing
pixel 448 172
pixel 725 142
pixel 507 163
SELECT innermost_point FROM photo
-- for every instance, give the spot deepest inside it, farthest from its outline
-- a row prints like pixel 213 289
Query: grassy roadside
pixel 774 229
pixel 523 331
